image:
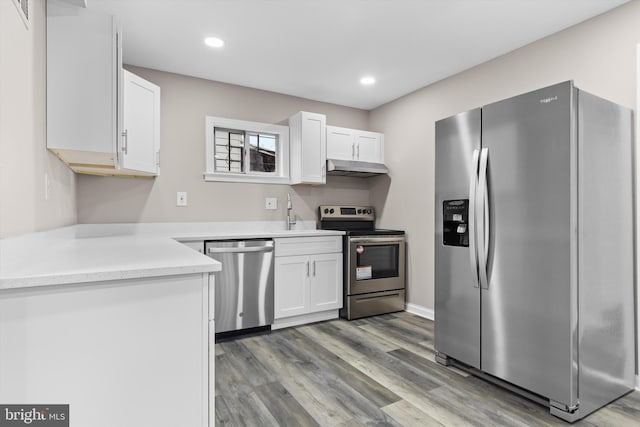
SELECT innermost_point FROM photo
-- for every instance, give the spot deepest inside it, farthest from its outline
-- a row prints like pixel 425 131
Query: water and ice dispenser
pixel 455 218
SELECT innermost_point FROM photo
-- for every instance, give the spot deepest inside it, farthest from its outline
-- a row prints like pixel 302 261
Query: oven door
pixel 375 263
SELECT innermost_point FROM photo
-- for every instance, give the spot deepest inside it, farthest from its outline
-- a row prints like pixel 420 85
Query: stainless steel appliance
pixel 355 168
pixel 244 287
pixel 374 261
pixel 534 247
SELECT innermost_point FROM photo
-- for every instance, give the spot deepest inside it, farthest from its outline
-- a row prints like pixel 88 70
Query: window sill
pixel 254 179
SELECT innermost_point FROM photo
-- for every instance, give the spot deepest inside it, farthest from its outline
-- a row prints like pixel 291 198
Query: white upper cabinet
pixel 354 144
pixel 86 110
pixel 141 125
pixel 369 146
pixel 340 143
pixel 308 145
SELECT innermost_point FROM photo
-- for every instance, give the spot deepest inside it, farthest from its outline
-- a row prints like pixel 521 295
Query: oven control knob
pixel 359 211
pixel 331 210
pixel 326 210
pixel 369 211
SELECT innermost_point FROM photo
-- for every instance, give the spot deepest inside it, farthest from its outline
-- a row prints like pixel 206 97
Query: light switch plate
pixel 271 203
pixel 181 198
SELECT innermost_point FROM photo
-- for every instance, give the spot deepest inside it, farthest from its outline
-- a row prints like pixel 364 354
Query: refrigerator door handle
pixel 483 223
pixel 473 250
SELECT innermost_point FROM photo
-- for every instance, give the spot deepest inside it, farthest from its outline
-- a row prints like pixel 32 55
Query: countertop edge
pixel 88 278
pixel 16 253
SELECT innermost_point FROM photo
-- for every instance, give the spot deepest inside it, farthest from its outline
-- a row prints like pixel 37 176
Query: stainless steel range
pixel 374 261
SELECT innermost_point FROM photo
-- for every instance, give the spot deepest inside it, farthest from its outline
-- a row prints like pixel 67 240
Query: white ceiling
pixel 319 49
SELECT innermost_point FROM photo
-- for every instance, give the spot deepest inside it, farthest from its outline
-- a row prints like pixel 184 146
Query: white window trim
pixel 283 151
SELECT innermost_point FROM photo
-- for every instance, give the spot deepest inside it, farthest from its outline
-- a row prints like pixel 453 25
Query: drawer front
pixel 374 303
pixel 292 246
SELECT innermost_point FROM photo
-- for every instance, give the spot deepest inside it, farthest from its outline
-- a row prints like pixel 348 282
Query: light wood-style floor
pixel 377 371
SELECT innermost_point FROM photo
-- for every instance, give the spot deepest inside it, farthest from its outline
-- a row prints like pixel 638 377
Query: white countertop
pixel 97 252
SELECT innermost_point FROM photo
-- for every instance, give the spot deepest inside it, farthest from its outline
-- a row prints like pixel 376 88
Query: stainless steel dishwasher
pixel 244 287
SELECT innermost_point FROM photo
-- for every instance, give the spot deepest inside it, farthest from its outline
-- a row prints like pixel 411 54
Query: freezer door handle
pixel 473 251
pixel 483 222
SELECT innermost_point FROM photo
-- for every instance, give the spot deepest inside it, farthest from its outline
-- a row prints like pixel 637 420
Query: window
pixel 241 151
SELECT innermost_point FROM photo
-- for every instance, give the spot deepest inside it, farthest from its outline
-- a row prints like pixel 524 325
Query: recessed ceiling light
pixel 367 80
pixel 214 42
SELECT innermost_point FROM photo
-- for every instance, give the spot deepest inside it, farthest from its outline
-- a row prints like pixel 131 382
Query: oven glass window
pixel 376 261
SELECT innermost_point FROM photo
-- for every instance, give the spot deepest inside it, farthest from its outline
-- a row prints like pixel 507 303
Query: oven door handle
pixel 381 239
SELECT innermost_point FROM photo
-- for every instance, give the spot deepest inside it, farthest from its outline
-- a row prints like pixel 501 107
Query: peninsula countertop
pixel 86 253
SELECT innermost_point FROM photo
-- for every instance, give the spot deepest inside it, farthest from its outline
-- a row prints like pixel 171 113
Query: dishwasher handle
pixel 241 250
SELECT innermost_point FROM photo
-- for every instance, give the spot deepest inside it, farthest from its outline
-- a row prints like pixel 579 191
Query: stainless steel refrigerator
pixel 534 251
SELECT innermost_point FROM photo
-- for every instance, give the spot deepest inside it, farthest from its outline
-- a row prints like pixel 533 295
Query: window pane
pixel 229 150
pixel 236 140
pixel 262 152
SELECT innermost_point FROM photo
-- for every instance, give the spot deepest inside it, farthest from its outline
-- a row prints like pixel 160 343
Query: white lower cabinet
pixel 308 285
pixel 210 391
pixel 325 287
pixel 291 291
pixel 124 352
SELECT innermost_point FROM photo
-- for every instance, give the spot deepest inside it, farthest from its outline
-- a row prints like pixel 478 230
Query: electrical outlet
pixel 181 198
pixel 271 203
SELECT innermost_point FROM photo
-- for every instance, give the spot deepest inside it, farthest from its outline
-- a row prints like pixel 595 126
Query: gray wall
pixel 24 159
pixel 185 103
pixel 599 55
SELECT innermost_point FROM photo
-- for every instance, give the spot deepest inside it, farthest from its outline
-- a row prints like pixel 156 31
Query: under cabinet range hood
pixel 355 168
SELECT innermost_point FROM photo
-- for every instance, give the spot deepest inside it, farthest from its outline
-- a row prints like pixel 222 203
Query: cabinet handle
pixel 353 151
pixel 125 142
pixel 314 268
pixel 358 152
pixel 307 268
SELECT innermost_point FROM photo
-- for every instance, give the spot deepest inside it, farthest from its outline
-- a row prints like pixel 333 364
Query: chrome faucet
pixel 291 219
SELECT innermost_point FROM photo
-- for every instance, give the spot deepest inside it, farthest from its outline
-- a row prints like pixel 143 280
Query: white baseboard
pixel 418 310
pixel 638 382
pixel 303 319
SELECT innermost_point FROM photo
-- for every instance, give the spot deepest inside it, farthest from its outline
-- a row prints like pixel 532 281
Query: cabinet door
pixel 314 148
pixel 308 148
pixel 340 143
pixel 291 287
pixel 369 147
pixel 325 289
pixel 81 83
pixel 141 126
pixel 131 337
